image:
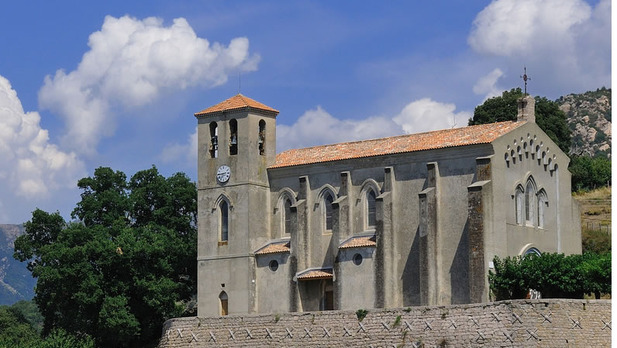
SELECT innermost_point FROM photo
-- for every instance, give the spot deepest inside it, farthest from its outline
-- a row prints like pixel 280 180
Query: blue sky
pixel 116 83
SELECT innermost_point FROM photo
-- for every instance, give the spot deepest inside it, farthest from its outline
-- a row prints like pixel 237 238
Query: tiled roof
pixel 358 242
pixel 479 134
pixel 315 274
pixel 236 102
pixel 274 248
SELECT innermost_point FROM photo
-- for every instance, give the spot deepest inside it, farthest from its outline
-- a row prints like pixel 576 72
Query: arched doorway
pixel 224 303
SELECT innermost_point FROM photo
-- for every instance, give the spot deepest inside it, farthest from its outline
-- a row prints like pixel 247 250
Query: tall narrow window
pixel 233 137
pixel 519 204
pixel 224 303
pixel 371 200
pixel 262 137
pixel 214 140
pixel 327 200
pixel 529 203
pixel 542 204
pixel 224 208
pixel 287 217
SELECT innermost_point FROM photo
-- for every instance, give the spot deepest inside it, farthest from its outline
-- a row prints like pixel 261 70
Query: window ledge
pixel 222 243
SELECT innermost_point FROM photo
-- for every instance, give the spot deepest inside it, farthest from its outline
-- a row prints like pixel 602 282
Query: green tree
pixel 18 329
pixel 589 173
pixel 548 115
pixel 498 109
pixel 125 267
pixel 30 313
pixel 104 198
pixel 595 271
pixel 508 280
pixel 14 328
pixel 554 275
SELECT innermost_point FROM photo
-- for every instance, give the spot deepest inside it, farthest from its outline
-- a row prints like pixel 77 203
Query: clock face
pixel 223 173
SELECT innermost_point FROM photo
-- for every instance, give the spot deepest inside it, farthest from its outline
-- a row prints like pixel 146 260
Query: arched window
pixel 371 208
pixel 262 137
pixel 214 140
pixel 287 215
pixel 542 204
pixel 328 198
pixel 233 137
pixel 532 251
pixel 224 217
pixel 224 303
pixel 519 203
pixel 530 202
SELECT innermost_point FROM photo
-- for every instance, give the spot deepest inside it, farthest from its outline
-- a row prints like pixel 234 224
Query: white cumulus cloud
pixel 517 27
pixel 32 167
pixel 487 84
pixel 565 43
pixel 318 127
pixel 131 62
pixel 426 115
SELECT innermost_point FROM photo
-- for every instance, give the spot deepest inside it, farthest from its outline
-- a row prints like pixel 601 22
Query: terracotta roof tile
pixel 479 134
pixel 274 248
pixel 314 274
pixel 358 242
pixel 236 102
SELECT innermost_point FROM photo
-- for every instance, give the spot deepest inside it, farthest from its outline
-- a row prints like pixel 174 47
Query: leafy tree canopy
pixel 505 108
pixel 125 267
pixel 589 173
pixel 554 275
pixel 14 328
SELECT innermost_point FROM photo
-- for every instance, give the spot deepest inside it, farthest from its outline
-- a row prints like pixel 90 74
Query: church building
pixel 394 222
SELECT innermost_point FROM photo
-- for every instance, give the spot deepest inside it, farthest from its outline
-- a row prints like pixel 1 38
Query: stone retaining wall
pixel 520 323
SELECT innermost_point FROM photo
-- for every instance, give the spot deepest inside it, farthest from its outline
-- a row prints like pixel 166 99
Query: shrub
pixel 554 275
pixel 361 313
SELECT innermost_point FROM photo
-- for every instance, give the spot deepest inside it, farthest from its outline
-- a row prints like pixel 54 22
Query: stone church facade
pixel 393 222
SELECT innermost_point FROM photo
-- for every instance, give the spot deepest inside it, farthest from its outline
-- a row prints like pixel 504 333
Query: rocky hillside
pixel 16 282
pixel 589 118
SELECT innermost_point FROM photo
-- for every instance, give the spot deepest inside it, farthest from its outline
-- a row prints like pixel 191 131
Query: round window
pixel 274 265
pixel 357 259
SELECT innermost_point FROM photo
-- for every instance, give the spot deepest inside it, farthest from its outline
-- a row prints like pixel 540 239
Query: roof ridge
pixel 397 136
pixel 442 138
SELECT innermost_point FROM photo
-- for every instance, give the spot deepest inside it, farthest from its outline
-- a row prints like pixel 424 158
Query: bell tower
pixel 236 145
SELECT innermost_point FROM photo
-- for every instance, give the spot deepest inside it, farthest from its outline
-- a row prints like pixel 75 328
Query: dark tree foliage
pixel 498 109
pixel 548 115
pixel 30 313
pixel 508 281
pixel 14 328
pixel 125 267
pixel 589 173
pixel 554 275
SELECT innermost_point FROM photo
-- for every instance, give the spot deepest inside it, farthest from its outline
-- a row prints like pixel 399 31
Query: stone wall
pixel 520 323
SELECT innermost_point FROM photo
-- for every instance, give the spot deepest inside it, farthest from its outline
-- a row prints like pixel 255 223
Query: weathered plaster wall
pixel 360 278
pixel 398 254
pixel 521 323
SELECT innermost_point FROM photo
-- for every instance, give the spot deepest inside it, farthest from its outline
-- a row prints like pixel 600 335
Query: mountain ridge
pixel 589 118
pixel 16 282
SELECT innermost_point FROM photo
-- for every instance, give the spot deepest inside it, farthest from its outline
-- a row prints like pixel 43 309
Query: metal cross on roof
pixel 525 78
